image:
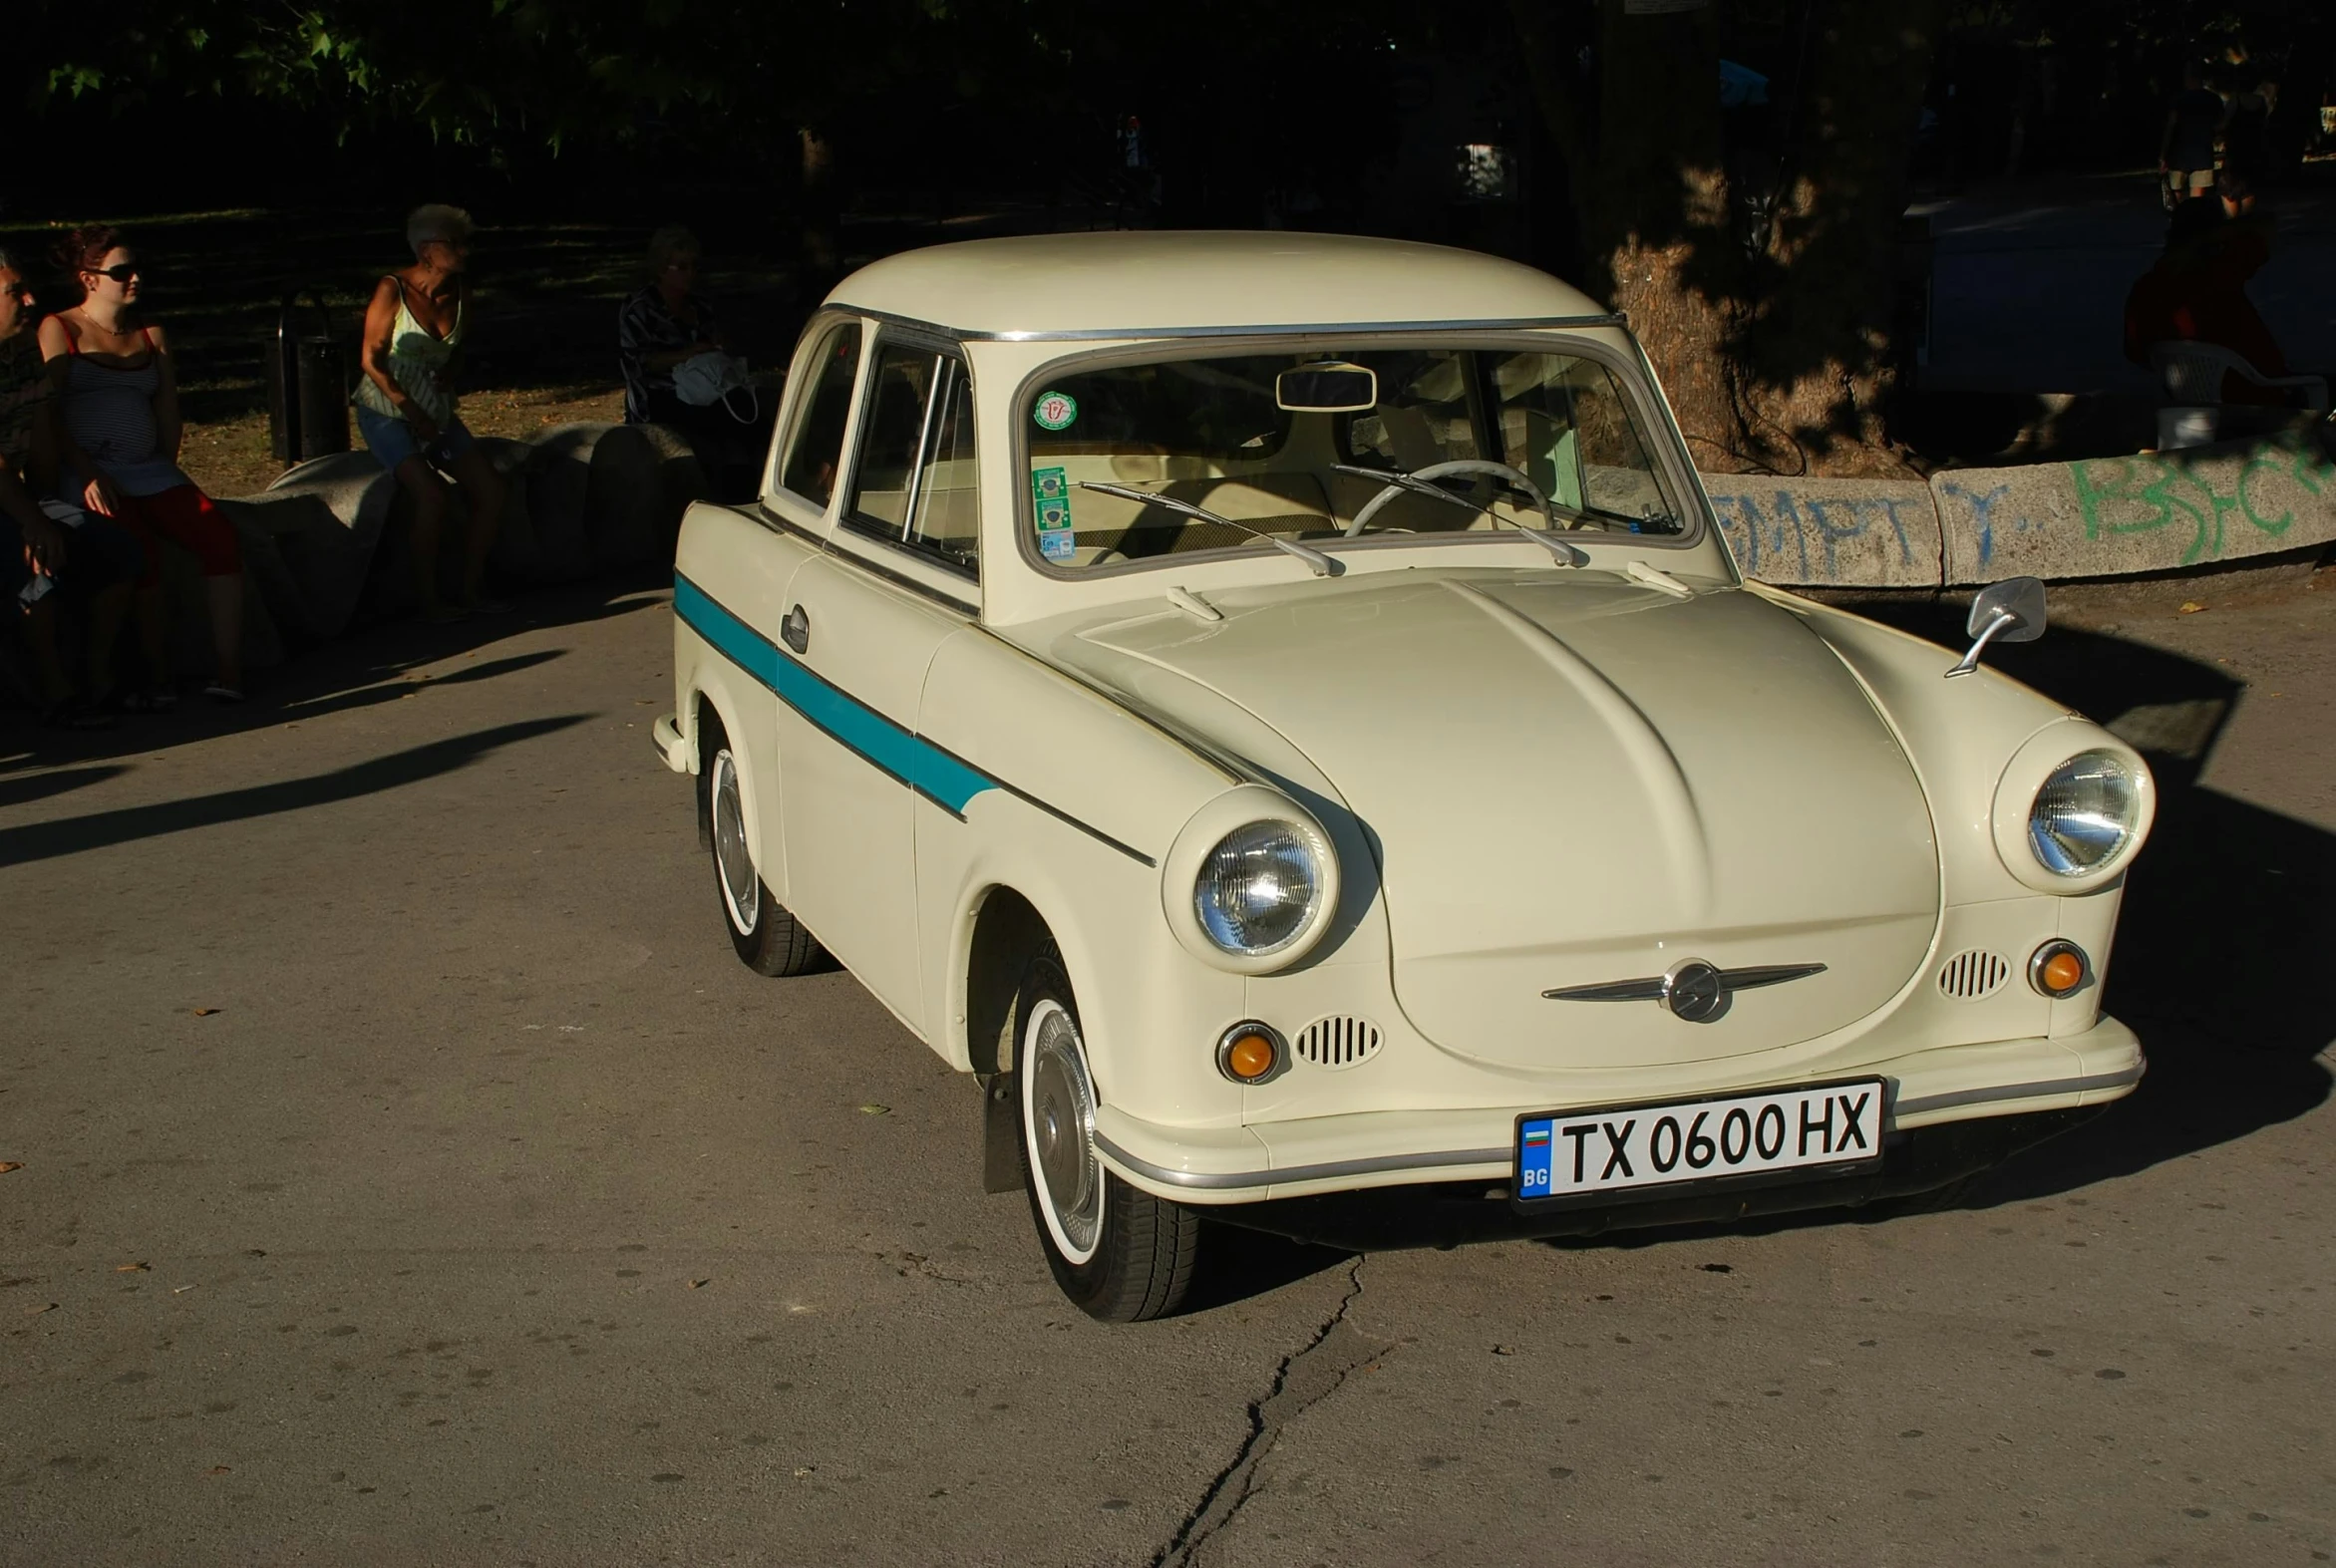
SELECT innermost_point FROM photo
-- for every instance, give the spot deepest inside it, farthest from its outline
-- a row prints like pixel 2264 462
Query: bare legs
pixel 483 489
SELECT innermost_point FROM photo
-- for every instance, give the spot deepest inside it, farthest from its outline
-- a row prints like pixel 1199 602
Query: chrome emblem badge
pixel 1692 990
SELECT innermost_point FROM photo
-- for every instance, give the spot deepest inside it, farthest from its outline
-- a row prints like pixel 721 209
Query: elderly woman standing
pixel 657 328
pixel 413 328
pixel 118 387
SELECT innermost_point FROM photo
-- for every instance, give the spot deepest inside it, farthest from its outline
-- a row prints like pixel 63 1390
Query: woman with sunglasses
pixel 406 404
pixel 118 391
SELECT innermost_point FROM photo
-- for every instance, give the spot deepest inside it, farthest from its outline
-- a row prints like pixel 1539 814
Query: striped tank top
pixel 108 413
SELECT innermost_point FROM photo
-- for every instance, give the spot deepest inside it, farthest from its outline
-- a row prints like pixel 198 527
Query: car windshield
pixel 1164 458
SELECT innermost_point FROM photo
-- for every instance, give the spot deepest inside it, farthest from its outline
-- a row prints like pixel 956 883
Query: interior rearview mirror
pixel 2008 611
pixel 1327 387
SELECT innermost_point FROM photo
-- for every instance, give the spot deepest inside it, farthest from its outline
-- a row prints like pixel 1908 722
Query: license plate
pixel 1628 1149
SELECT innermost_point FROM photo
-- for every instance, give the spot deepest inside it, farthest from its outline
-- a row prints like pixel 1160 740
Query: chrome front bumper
pixel 1306 1156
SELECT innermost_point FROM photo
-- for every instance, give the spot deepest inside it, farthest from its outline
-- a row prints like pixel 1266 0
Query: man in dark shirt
pixel 2186 154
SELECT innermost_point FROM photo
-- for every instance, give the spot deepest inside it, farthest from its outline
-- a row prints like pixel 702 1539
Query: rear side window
pixel 916 481
pixel 815 447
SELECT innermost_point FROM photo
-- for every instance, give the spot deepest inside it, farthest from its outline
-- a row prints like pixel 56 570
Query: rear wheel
pixel 1120 1254
pixel 767 938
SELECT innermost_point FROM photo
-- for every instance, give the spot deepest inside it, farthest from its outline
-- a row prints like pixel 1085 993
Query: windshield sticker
pixel 1055 410
pixel 1051 488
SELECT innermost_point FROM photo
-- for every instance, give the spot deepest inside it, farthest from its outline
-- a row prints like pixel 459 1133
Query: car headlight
pixel 2085 815
pixel 1257 888
pixel 1252 882
pixel 2072 809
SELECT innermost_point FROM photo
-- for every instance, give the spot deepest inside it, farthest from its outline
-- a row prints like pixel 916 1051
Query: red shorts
pixel 185 516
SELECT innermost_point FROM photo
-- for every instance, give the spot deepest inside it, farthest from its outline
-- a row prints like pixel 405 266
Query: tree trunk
pixel 1776 358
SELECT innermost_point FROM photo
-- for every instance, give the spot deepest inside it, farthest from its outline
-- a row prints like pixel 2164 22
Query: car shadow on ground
pixel 2227 903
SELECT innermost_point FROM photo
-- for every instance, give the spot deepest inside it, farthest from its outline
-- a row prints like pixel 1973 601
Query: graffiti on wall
pixel 2214 503
pixel 1803 537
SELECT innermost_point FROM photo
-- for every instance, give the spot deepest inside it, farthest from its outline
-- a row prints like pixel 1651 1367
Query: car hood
pixel 1575 779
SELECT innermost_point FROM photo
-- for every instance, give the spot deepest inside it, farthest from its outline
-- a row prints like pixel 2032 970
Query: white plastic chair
pixel 2193 372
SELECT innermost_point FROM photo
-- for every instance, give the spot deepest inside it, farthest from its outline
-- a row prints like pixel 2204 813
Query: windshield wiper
pixel 1565 553
pixel 1322 565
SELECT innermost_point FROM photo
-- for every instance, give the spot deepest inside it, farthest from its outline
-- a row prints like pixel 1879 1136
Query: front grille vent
pixel 1970 976
pixel 1338 1042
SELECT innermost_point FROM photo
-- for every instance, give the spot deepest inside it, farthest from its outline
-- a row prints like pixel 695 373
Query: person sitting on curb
pixel 118 387
pixel 43 546
pixel 659 328
pixel 414 329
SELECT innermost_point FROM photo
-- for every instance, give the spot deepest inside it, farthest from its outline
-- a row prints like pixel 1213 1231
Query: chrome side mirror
pixel 2008 611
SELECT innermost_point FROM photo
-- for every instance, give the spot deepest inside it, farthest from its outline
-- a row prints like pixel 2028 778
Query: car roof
pixel 1150 283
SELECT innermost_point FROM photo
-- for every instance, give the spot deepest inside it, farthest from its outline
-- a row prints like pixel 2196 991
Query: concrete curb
pixel 2093 518
pixel 326 546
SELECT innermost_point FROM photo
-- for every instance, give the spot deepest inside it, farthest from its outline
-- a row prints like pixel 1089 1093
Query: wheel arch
pixel 1004 930
pixel 712 700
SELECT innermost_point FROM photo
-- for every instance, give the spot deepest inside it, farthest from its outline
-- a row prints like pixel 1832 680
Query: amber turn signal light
pixel 1249 1052
pixel 2058 969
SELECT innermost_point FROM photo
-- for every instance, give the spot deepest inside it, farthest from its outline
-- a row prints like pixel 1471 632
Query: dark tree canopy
pixel 1756 251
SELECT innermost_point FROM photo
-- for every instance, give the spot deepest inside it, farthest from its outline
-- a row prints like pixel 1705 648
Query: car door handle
pixel 795 630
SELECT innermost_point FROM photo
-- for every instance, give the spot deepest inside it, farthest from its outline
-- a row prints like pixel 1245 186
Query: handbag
pixel 704 380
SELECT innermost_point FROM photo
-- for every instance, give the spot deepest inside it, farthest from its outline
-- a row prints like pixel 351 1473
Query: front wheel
pixel 1120 1254
pixel 767 938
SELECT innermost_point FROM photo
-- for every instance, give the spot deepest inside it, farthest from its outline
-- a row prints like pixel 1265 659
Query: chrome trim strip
pixel 2120 1078
pixel 1220 1181
pixel 1306 329
pixel 783 525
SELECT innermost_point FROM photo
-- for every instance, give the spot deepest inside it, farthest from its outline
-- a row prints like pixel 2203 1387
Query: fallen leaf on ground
pixel 875 1110
pixel 204 1012
pixel 7 1165
pixel 700 1284
pixel 219 1469
pixel 130 1268
pixel 34 1312
pixel 2192 606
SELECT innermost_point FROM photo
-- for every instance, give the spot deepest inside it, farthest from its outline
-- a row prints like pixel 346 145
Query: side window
pixel 915 483
pixel 816 446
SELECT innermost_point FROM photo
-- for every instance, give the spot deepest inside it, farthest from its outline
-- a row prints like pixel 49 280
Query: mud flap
pixel 1001 1154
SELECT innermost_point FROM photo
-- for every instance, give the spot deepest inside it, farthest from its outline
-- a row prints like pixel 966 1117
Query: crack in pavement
pixel 1304 1378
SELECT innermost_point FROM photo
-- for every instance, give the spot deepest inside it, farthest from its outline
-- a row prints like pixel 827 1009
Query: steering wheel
pixel 1412 482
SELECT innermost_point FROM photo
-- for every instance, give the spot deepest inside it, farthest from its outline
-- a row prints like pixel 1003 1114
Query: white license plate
pixel 1573 1153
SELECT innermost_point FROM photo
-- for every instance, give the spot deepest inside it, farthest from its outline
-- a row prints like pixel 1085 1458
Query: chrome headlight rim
pixel 1265 837
pixel 2046 753
pixel 1240 809
pixel 2050 838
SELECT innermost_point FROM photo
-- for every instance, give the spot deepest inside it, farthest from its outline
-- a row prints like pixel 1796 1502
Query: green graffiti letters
pixel 2120 495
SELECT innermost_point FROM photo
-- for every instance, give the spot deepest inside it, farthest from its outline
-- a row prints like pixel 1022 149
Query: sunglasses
pixel 120 274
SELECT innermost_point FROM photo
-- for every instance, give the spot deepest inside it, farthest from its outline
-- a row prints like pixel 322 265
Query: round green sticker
pixel 1055 410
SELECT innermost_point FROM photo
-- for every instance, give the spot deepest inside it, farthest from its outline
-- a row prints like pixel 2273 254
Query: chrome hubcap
pixel 1058 1111
pixel 741 890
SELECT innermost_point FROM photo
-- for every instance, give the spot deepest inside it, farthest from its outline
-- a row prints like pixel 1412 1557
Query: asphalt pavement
pixel 409 1173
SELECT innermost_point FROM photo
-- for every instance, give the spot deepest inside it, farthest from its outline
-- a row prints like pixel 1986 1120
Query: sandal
pixel 221 692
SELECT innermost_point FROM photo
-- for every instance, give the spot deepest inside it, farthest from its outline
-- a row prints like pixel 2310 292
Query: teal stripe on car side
pixel 915 761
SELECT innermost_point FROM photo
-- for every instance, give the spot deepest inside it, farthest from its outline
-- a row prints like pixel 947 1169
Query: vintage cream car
pixel 1279 710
